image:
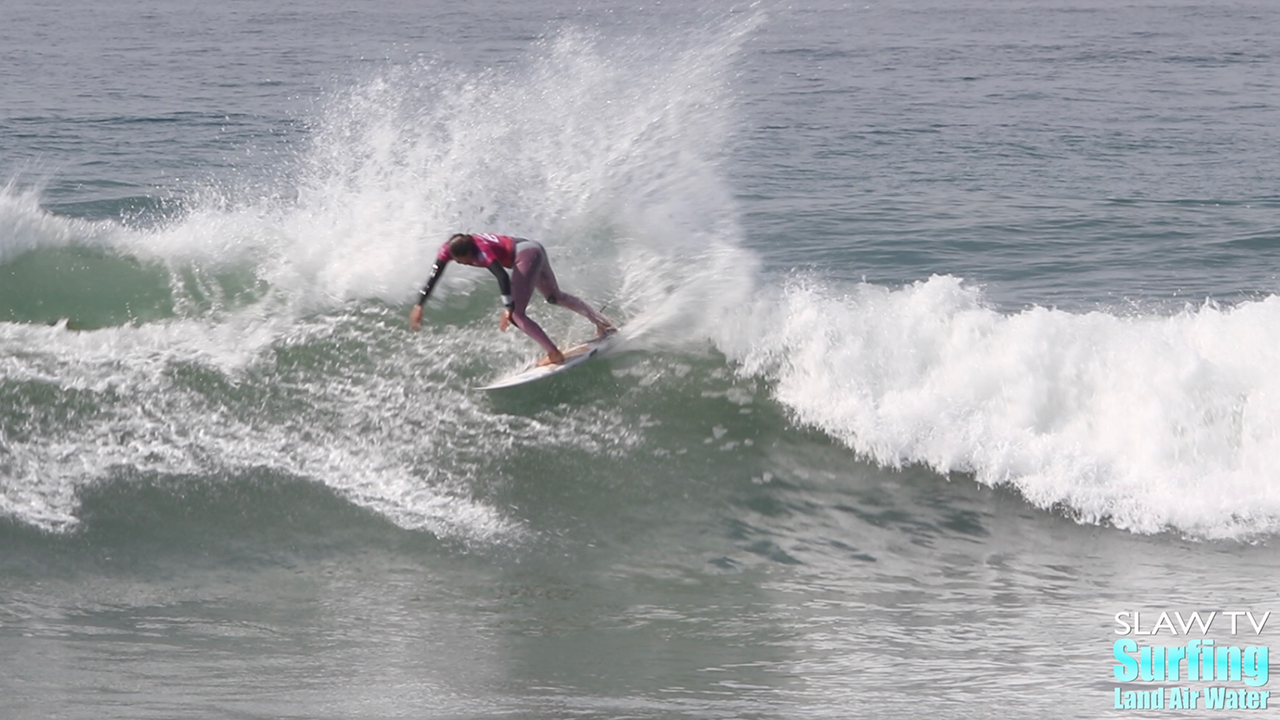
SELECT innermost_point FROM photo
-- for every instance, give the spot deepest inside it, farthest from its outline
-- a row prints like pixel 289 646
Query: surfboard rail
pixel 573 357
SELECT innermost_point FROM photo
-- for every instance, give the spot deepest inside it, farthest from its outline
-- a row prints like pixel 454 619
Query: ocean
pixel 947 386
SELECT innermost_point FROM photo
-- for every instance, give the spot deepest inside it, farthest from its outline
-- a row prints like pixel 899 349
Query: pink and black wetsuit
pixel 495 252
pixel 530 269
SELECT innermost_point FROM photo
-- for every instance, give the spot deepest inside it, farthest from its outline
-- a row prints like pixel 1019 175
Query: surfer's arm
pixel 504 284
pixel 436 271
pixel 415 315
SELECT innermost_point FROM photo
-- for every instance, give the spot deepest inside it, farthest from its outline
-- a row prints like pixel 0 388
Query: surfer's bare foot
pixel 552 358
pixel 605 330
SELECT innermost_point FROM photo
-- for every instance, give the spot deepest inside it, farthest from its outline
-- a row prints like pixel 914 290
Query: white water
pixel 612 156
pixel 1147 422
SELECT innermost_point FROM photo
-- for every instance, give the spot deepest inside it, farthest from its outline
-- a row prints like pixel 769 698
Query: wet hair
pixel 462 245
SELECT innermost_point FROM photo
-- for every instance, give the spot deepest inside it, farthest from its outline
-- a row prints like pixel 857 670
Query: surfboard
pixel 573 357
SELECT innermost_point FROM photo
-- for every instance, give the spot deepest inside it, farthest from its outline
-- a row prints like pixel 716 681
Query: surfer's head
pixel 462 247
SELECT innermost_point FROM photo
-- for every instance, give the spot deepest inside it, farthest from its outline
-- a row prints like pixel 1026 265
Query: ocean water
pixel 951 336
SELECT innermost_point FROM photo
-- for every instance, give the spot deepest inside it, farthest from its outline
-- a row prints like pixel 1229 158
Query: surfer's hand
pixel 415 318
pixel 505 321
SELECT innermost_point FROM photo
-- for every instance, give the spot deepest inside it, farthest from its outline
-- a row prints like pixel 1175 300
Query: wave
pixel 25 225
pixel 1150 423
pixel 264 328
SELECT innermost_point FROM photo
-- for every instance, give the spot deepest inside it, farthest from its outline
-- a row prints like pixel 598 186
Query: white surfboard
pixel 573 357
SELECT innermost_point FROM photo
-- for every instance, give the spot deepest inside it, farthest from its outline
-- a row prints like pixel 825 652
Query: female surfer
pixel 527 261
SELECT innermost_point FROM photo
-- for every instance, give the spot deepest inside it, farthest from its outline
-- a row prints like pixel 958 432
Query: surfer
pixel 530 269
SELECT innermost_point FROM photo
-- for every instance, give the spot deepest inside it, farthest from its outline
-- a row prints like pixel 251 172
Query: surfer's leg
pixel 545 280
pixel 528 263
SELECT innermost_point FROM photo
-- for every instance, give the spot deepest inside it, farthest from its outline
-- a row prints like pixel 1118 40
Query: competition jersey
pixel 493 252
pixel 490 249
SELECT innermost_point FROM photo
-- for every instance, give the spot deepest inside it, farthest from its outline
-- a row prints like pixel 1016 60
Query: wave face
pixel 1148 422
pixel 258 327
pixel 262 329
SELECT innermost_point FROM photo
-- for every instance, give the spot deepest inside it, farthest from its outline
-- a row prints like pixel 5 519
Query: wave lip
pixel 25 225
pixel 1149 423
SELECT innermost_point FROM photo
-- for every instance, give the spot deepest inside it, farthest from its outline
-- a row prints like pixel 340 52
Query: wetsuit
pixel 495 252
pixel 530 269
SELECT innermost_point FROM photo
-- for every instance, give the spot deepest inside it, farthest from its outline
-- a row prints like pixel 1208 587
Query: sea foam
pixel 1149 422
pixel 608 151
